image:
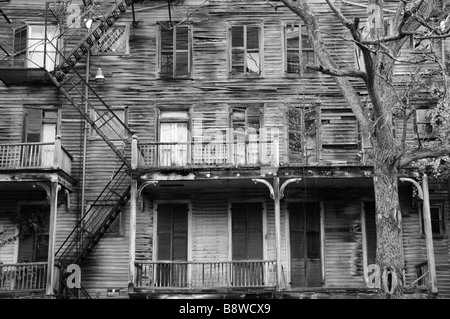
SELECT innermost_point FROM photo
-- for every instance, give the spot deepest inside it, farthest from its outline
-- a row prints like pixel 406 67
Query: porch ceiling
pixel 236 184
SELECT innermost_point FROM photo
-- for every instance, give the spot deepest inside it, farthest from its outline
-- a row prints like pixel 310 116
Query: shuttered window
pixel 40 125
pixel 246 55
pixel 299 51
pixel 302 128
pixel 172 230
pixel 247 231
pixel 246 122
pixel 175 51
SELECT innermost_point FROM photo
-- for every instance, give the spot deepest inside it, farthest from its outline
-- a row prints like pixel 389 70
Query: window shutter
pixel 247 237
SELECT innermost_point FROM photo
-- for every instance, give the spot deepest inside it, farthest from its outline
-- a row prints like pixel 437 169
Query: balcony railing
pixel 35 156
pixel 23 276
pixel 191 274
pixel 207 154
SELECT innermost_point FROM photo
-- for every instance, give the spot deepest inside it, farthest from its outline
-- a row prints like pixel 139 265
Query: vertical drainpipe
pixel 86 126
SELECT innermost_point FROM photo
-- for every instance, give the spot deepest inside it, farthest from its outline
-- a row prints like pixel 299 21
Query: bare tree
pixel 381 52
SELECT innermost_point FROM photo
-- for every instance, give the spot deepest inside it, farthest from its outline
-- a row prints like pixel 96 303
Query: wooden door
pixel 247 244
pixel 172 232
pixel 304 232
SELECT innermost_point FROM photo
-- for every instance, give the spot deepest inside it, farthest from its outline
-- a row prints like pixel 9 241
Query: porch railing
pixel 210 153
pixel 23 276
pixel 35 155
pixel 196 274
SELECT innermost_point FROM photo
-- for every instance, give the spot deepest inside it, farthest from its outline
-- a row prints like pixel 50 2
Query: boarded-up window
pixel 175 51
pixel 299 51
pixel 304 226
pixel 246 54
pixel 114 41
pixel 371 231
pixel 302 134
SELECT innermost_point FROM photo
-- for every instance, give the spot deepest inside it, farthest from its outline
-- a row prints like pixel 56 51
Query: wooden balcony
pixel 205 275
pixel 245 153
pixel 23 277
pixel 35 156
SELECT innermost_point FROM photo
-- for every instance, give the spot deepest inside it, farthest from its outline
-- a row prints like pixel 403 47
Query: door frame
pixel 321 237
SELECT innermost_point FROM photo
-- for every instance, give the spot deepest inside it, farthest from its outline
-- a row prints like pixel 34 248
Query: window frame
pixel 230 48
pixel 159 50
pixel 419 123
pixel 440 205
pixel 302 64
pixel 308 154
pixel 26 46
pixel 44 120
pixel 123 117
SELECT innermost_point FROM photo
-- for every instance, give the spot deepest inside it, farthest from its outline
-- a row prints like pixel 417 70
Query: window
pixel 113 42
pixel 174 138
pixel 112 122
pixel 437 220
pixel 299 51
pixel 40 128
pixel 246 55
pixel 175 51
pixel 245 122
pixel 302 126
pixel 33 48
pixel 424 129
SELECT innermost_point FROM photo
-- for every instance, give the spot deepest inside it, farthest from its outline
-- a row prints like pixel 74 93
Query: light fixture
pixel 88 23
pixel 99 77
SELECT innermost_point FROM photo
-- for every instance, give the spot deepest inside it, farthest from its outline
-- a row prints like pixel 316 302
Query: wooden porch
pixel 23 279
pixel 205 275
pixel 52 155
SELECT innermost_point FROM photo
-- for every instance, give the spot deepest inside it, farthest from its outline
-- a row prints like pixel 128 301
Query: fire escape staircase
pixel 96 221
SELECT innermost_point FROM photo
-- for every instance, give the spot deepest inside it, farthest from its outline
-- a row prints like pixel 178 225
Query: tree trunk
pixel 389 256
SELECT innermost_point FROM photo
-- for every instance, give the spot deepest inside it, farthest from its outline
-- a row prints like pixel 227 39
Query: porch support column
pixel 429 234
pixel 277 193
pixel 133 205
pixel 51 275
pixel 424 195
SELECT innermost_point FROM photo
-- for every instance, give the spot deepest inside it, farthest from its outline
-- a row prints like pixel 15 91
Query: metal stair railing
pixel 82 47
pixel 96 221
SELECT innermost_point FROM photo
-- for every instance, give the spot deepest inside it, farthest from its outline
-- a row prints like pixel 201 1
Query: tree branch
pixel 349 72
pixel 432 152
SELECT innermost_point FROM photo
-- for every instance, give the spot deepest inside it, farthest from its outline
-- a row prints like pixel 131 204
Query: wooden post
pixel 57 153
pixel 134 153
pixel 276 200
pixel 52 237
pixel 133 205
pixel 428 234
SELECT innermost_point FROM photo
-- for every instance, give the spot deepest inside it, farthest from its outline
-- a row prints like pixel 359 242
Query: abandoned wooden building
pixel 181 147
